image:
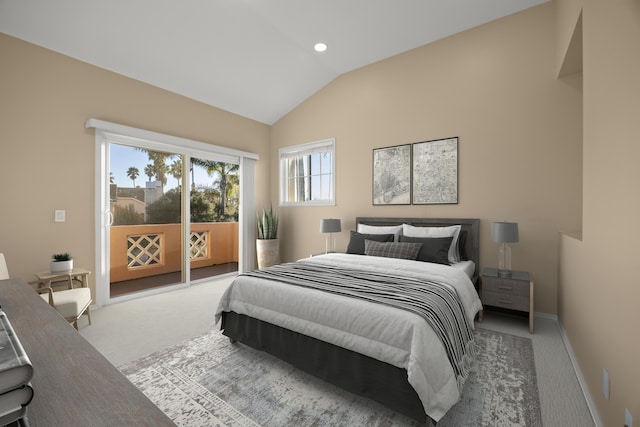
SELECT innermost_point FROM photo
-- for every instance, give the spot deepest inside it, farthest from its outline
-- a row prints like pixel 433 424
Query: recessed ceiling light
pixel 320 47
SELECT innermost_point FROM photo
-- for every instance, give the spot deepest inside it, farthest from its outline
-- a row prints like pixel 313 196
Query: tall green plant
pixel 268 224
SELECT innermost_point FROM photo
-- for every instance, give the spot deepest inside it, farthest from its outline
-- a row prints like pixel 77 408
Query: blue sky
pixel 123 157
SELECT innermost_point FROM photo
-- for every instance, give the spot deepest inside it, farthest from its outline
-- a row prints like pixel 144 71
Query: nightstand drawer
pixel 500 299
pixel 505 286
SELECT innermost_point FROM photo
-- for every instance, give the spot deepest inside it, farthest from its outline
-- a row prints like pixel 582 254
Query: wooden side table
pixel 513 293
pixel 80 275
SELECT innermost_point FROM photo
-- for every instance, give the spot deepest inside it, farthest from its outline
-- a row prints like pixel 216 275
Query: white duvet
pixel 391 335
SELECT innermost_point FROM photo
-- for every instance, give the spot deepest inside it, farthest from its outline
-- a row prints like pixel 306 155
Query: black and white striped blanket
pixel 438 304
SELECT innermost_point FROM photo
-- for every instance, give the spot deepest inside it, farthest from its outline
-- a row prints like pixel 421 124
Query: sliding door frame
pixel 106 133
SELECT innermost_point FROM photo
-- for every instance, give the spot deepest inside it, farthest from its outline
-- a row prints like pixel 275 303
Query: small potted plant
pixel 61 262
pixel 267 244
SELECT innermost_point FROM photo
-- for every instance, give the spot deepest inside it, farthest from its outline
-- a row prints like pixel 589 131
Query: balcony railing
pixel 145 250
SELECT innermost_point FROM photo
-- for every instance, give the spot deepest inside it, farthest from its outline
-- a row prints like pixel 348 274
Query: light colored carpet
pixel 210 382
pixel 127 331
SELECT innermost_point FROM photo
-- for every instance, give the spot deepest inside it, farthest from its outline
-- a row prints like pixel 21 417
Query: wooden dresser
pixel 74 385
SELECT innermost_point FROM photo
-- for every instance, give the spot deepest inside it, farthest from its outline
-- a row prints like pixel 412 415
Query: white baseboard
pixel 583 383
pixel 548 316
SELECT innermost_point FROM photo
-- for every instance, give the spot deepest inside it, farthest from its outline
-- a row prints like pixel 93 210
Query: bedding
pixel 404 250
pixel 396 230
pixel 453 231
pixel 356 241
pixel 395 336
pixel 469 267
pixel 434 249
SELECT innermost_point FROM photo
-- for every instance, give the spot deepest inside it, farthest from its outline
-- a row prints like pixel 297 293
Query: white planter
pixel 268 252
pixel 61 266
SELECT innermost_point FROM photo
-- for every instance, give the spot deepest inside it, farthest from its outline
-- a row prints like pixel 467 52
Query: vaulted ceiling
pixel 254 58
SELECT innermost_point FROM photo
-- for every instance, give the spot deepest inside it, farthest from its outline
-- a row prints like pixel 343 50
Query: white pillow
pixel 396 230
pixel 454 230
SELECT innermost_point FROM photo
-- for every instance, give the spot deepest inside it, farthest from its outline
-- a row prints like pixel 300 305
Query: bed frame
pixel 344 368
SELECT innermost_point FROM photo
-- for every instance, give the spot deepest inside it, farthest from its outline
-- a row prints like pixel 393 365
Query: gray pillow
pixel 403 250
pixel 356 241
pixel 434 249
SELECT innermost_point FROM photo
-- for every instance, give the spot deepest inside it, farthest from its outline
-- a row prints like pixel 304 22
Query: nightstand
pixel 513 293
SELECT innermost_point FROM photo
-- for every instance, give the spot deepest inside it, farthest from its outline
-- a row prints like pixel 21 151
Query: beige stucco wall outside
pixel 598 283
pixel 519 150
pixel 47 158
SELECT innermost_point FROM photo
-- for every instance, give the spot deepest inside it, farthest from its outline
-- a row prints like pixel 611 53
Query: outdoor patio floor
pixel 137 285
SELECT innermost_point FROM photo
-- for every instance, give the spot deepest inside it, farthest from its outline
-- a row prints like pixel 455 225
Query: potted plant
pixel 61 262
pixel 267 244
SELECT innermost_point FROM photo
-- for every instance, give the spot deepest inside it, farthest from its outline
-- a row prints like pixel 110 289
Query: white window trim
pixel 163 141
pixel 306 149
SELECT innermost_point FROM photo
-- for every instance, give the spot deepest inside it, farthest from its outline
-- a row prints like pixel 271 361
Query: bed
pixel 400 357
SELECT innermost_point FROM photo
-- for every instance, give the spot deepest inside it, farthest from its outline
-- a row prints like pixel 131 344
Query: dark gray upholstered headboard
pixel 472 226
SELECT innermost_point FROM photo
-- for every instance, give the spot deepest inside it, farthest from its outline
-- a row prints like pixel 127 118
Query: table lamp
pixel 330 225
pixel 504 232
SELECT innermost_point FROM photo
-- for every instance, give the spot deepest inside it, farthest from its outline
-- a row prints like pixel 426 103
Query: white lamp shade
pixel 504 232
pixel 331 225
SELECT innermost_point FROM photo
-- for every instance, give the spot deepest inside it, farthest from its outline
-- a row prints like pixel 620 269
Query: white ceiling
pixel 254 58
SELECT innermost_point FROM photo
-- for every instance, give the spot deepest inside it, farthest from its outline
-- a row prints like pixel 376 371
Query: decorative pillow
pixel 380 229
pixel 454 230
pixel 462 245
pixel 392 249
pixel 434 249
pixel 356 241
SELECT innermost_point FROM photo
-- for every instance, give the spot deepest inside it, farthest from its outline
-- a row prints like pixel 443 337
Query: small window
pixel 307 175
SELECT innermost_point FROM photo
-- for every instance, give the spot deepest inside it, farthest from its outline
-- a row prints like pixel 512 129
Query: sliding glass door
pixel 214 207
pixel 169 211
pixel 145 240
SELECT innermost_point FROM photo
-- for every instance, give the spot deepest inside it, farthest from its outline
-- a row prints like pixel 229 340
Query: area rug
pixel 209 382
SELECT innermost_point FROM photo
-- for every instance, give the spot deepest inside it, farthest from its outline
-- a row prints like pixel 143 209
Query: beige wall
pixel 47 155
pixel 567 13
pixel 598 285
pixel 523 157
pixel 520 139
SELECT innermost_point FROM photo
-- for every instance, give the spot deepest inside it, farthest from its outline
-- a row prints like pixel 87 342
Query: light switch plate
pixel 628 419
pixel 60 216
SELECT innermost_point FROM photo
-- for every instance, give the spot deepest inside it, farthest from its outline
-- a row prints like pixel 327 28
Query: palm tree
pixel 158 166
pixel 148 170
pixel 193 177
pixel 176 170
pixel 228 187
pixel 133 173
pixel 225 183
